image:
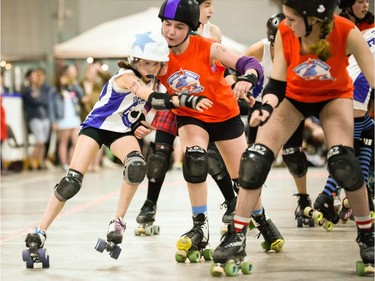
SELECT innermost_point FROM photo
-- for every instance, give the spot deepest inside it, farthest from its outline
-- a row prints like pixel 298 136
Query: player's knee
pixel 158 162
pixel 255 165
pixel 296 161
pixel 69 185
pixel 135 168
pixel 345 168
pixel 195 166
pixel 216 165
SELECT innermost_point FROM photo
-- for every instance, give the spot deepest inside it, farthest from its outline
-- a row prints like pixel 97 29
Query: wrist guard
pixel 251 78
pixel 189 101
pixel 266 107
pixel 160 101
pixel 138 123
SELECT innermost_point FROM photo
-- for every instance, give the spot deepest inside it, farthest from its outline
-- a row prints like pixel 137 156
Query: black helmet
pixel 321 9
pixel 186 11
pixel 200 1
pixel 272 25
pixel 345 3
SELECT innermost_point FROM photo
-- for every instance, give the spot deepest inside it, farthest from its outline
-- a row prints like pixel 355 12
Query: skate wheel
pixel 345 203
pixel 328 225
pixel 265 246
pixel 138 231
pixel 316 215
pixel 43 257
pixel 299 222
pixel 216 270
pixel 180 257
pixel 115 253
pixel 311 222
pixel 308 211
pixel 223 230
pixel 360 268
pixel 231 268
pixel 247 268
pixel 101 245
pixel 156 229
pixel 372 214
pixel 207 254
pixel 25 255
pixel 149 230
pixel 194 256
pixel 277 245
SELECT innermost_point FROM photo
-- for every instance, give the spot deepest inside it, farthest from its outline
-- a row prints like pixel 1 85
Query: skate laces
pixel 365 238
pixel 264 228
pixel 148 206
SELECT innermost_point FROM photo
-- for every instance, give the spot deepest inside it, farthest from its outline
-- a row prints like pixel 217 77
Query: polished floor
pixel 308 254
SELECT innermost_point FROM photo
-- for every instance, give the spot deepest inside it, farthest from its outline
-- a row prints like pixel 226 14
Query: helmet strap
pixel 186 37
pixel 308 26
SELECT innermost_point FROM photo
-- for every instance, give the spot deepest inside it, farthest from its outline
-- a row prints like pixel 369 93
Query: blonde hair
pixel 321 48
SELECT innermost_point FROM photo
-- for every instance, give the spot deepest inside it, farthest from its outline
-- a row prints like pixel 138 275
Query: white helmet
pixel 149 46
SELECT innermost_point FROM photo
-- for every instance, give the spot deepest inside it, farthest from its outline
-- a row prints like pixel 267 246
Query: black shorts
pixel 103 136
pixel 226 130
pixel 309 109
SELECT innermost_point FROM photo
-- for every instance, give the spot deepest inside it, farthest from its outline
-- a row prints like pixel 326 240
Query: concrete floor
pixel 308 254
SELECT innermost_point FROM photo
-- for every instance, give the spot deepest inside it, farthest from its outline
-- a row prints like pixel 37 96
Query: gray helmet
pixel 321 9
pixel 272 25
pixel 186 11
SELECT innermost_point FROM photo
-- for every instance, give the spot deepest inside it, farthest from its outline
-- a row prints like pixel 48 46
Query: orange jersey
pixel 310 79
pixel 192 73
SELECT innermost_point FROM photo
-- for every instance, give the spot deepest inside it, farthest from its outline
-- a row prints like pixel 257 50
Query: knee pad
pixel 69 185
pixel 216 165
pixel 345 168
pixel 135 168
pixel 158 162
pixel 255 165
pixel 296 161
pixel 195 166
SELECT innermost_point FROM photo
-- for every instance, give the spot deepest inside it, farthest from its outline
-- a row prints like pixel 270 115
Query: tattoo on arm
pixel 135 86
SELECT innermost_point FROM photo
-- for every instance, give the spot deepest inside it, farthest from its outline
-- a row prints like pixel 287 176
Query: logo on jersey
pixel 185 82
pixel 132 113
pixel 314 70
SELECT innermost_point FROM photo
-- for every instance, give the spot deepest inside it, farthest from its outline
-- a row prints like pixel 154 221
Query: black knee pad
pixel 195 166
pixel 295 160
pixel 69 185
pixel 135 168
pixel 158 162
pixel 255 165
pixel 216 165
pixel 345 168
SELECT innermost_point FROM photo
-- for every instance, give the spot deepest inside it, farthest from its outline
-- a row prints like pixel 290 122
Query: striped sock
pixel 363 222
pixel 240 223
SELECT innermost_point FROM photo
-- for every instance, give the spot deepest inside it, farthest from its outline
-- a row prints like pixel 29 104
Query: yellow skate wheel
pixel 184 243
pixel 138 231
pixel 180 256
pixel 328 225
pixel 207 254
pixel 308 212
pixel 317 216
pixel 247 268
pixel 345 203
pixel 231 268
pixel 223 230
pixel 372 214
pixel 278 245
pixel 216 270
pixel 194 256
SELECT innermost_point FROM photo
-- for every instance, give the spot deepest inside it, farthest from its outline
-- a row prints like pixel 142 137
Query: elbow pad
pixel 276 88
pixel 245 63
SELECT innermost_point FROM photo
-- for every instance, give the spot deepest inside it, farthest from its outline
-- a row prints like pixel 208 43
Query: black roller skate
pixel 146 220
pixel 192 244
pixel 35 252
pixel 324 212
pixel 229 256
pixel 116 229
pixel 303 201
pixel 273 240
pixel 229 213
pixel 365 240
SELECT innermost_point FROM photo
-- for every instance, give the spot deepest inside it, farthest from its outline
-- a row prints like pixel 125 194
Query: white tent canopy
pixel 110 39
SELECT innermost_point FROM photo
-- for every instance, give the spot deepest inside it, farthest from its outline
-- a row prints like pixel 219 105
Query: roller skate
pixel 273 240
pixel 345 212
pixel 324 212
pixel 35 252
pixel 192 244
pixel 228 257
pixel 303 201
pixel 228 215
pixel 116 229
pixel 365 240
pixel 146 219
